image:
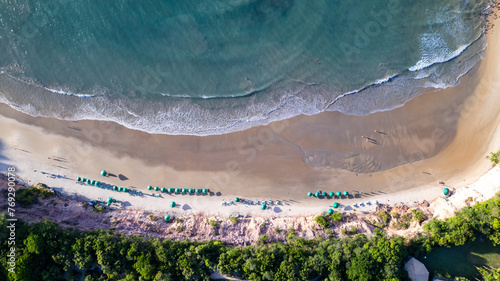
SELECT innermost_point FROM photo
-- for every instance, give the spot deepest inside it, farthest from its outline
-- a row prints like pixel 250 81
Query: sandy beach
pixel 390 157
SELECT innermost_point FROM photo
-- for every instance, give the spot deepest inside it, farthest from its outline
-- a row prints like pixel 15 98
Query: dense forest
pixel 45 251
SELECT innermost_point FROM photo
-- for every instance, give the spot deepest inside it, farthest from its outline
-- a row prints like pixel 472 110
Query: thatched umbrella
pixel 336 205
pixel 172 204
pixel 104 173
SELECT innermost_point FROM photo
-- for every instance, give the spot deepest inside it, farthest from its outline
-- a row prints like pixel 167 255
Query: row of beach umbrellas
pixel 319 193
pixel 102 185
pixel 180 190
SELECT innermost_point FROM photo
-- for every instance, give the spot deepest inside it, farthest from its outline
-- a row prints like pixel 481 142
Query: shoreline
pixel 441 136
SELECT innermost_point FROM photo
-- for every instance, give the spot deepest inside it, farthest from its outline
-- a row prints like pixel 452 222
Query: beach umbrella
pixel 78 179
pixel 317 194
pixel 331 194
pixel 346 193
pixel 177 190
pixel 338 194
pixel 92 182
pixel 156 188
pixel 121 189
pixel 150 187
pixel 263 207
pixel 310 194
pixel 446 191
pixel 184 190
pixel 167 218
pixel 104 173
pixel 236 199
pixel 205 190
pixel 198 190
pixel 115 187
pixel 163 189
pixel 170 190
pixel 330 211
pixel 191 190
pixel 172 204
pixel 324 194
pixel 97 183
pixel 336 205
pixel 125 189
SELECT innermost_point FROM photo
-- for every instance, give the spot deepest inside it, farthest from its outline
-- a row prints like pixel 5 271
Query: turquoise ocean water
pixel 212 67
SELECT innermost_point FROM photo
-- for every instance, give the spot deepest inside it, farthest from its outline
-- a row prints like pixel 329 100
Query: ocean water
pixel 213 67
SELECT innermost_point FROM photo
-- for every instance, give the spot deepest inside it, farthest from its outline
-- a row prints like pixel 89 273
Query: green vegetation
pixel 234 220
pixel 46 251
pixel 322 220
pixel 28 196
pixel 384 217
pixel 214 224
pixel 494 157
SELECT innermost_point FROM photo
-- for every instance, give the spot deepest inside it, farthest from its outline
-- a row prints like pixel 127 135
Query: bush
pixel 384 217
pixel 98 209
pixel 152 218
pixel 234 220
pixel 322 220
pixel 263 239
pixel 494 157
pixel 214 224
pixel 336 216
pixel 419 216
pixel 354 230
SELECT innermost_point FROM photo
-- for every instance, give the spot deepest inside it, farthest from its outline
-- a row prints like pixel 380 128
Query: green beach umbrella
pixel 163 189
pixel 120 189
pixel 150 187
pixel 324 194
pixel 205 190
pixel 236 199
pixel 97 183
pixel 184 190
pixel 331 194
pixel 125 189
pixel 198 190
pixel 346 193
pixel 338 193
pixel 317 194
pixel 330 211
pixel 104 173
pixel 310 194
pixel 170 190
pixel 446 191
pixel 336 205
pixel 78 179
pixel 263 206
pixel 191 190
pixel 115 187
pixel 92 182
pixel 167 218
pixel 156 188
pixel 172 204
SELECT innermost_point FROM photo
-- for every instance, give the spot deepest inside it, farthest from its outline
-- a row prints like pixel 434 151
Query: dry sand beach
pixel 392 157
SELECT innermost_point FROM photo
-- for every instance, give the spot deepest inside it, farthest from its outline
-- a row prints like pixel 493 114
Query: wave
pixel 209 116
